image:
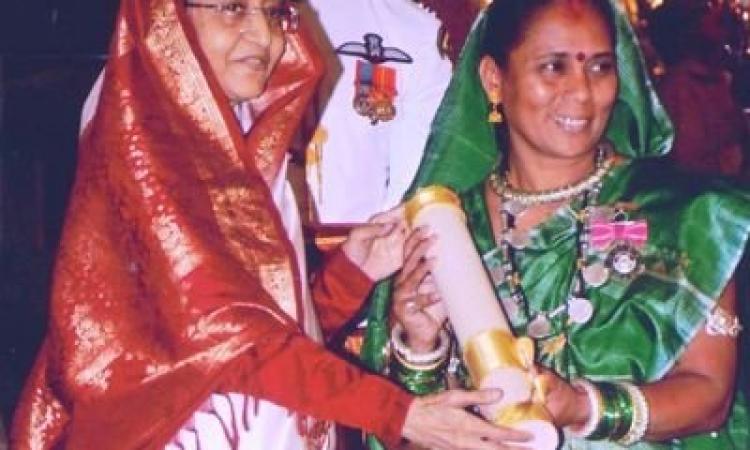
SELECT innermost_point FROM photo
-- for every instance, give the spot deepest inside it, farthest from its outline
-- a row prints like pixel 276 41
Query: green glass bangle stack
pixel 419 380
pixel 616 412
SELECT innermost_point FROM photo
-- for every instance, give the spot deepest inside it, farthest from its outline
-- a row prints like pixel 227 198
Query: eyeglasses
pixel 284 17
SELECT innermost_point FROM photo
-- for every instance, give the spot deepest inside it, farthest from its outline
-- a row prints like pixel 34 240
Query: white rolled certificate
pixel 492 355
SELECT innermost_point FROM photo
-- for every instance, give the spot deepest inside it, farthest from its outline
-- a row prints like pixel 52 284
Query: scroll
pixel 493 356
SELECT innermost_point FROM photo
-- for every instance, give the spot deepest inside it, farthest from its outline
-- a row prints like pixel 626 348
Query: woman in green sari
pixel 619 268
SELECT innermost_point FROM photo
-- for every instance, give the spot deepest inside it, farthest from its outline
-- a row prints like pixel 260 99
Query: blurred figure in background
pixel 691 37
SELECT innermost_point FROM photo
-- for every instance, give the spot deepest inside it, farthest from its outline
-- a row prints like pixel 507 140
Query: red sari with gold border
pixel 174 269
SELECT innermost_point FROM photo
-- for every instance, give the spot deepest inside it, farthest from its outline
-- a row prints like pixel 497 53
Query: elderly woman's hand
pixel 416 302
pixel 441 421
pixel 377 247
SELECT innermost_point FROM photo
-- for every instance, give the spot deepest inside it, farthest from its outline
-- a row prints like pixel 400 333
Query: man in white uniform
pixel 355 168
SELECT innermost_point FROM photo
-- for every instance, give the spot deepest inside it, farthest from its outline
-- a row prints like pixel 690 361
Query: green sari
pixel 643 323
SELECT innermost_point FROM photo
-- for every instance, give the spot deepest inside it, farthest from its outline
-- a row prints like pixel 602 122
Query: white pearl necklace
pixel 499 184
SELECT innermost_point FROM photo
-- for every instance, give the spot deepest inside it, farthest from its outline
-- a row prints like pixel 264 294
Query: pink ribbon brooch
pixel 622 239
pixel 604 233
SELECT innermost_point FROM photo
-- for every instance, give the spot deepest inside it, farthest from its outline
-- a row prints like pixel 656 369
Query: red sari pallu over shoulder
pixel 174 269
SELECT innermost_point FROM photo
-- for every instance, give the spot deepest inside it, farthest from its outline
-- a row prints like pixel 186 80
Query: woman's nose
pixel 579 85
pixel 257 27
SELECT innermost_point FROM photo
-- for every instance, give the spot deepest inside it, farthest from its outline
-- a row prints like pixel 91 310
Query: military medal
pixel 621 239
pixel 383 94
pixel 624 260
pixel 374 92
pixel 375 84
pixel 362 89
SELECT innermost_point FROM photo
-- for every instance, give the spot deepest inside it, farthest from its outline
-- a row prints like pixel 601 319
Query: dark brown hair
pixel 508 21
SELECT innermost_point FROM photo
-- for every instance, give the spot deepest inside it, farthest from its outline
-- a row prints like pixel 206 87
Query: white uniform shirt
pixel 366 168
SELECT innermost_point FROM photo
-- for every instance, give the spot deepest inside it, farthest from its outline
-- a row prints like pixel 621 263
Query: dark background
pixel 50 53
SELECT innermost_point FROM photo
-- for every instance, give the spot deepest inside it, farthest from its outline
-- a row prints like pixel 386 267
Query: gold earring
pixel 496 114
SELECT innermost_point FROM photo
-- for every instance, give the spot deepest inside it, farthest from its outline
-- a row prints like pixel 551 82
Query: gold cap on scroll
pixel 430 195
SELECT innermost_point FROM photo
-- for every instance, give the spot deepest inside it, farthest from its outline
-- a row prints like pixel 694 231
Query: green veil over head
pixel 462 147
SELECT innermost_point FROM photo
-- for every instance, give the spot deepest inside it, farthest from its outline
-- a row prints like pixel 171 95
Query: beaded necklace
pixel 578 309
pixel 517 200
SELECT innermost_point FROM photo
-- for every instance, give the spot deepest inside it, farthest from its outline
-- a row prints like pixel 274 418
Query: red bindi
pixel 580 57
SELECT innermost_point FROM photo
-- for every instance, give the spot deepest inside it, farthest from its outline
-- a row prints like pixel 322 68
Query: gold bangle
pixel 430 195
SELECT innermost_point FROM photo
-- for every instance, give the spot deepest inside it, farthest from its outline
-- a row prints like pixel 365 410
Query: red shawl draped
pixel 173 256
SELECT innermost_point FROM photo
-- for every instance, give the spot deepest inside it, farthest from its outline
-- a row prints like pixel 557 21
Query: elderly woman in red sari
pixel 180 313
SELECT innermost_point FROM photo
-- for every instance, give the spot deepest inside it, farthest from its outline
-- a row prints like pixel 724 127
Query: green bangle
pixel 624 405
pixel 417 381
pixel 607 417
pixel 617 412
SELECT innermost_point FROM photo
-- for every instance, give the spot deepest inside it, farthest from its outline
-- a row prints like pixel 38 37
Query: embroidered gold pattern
pixel 182 76
pixel 95 338
pixel 268 148
pixel 48 413
pixel 183 256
